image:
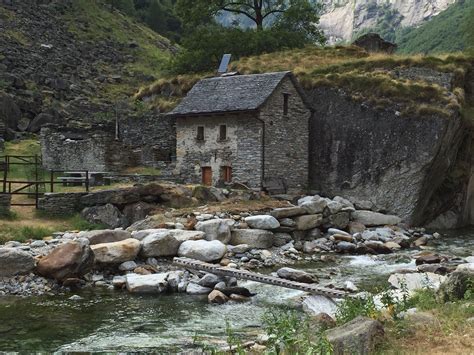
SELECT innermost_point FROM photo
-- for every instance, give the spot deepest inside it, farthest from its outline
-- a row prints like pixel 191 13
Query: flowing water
pixel 111 321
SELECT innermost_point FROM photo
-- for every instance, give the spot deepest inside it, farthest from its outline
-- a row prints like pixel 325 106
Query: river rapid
pixel 113 321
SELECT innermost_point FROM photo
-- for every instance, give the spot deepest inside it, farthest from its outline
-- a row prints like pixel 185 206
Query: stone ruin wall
pixel 149 141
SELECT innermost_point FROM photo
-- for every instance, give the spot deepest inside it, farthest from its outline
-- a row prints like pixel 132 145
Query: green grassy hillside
pixel 450 31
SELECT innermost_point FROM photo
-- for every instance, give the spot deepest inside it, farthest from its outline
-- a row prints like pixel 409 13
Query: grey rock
pixel 455 286
pixel 287 222
pixel 369 218
pixel 107 215
pixel 317 304
pixel 210 280
pixel 339 220
pixel 166 242
pixel 254 238
pixel 202 250
pixel 286 212
pixel 15 262
pixel 314 204
pixel 346 247
pixel 215 229
pixel 239 249
pixel 105 236
pixel 281 239
pixel 128 266
pixel 296 275
pixel 264 222
pixel 195 289
pixel 416 281
pixel 308 222
pixel 155 283
pixel 359 336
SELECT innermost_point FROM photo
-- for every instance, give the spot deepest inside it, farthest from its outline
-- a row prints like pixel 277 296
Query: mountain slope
pixel 447 32
pixel 71 60
pixel 344 19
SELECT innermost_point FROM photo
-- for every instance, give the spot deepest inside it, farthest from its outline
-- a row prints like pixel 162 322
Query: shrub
pixel 291 333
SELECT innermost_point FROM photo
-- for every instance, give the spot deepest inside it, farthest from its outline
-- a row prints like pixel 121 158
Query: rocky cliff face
pixel 418 166
pixel 343 18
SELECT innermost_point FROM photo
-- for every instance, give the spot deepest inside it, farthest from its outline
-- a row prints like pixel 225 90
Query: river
pixel 112 321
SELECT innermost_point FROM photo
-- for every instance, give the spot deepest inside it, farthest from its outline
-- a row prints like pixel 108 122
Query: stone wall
pixel 61 203
pixel 286 137
pixel 396 162
pixel 146 141
pixel 241 150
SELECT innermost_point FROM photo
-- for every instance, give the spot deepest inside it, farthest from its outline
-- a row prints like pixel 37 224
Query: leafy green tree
pixel 301 14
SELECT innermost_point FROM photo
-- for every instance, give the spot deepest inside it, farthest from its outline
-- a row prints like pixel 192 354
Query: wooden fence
pixel 37 184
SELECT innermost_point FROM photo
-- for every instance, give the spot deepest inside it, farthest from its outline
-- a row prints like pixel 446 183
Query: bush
pixel 291 333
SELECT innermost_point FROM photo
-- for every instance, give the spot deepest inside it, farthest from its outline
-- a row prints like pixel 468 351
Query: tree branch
pixel 273 12
pixel 245 13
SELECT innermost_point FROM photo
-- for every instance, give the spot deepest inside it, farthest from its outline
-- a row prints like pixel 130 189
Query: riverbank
pixel 127 274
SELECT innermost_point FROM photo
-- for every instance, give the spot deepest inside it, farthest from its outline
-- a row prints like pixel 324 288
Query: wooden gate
pixel 35 185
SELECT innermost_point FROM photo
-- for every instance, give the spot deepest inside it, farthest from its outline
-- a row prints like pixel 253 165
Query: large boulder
pixel 308 221
pixel 117 252
pixel 313 204
pixel 359 336
pixel 107 215
pixel 166 242
pixel 457 284
pixel 296 275
pixel 155 283
pixel 203 250
pixel 254 238
pixel 216 229
pixel 105 236
pixel 262 222
pixel 14 261
pixel 68 260
pixel 416 281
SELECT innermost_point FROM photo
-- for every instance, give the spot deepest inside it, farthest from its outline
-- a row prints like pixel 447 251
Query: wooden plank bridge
pixel 253 276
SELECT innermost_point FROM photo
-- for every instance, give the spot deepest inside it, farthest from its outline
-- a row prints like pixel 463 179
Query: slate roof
pixel 230 94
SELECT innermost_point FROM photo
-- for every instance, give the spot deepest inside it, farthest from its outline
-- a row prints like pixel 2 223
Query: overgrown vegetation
pixel 370 78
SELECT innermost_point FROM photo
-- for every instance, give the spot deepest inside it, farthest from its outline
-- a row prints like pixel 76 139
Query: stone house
pixel 250 129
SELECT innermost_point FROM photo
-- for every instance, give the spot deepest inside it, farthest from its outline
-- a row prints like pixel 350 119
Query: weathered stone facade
pixel 147 141
pixel 261 145
pixel 286 137
pixel 242 150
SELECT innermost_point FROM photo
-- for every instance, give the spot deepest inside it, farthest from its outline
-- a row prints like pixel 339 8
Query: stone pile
pixel 138 259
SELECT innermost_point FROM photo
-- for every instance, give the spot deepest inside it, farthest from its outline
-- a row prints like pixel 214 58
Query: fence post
pixel 5 174
pixel 87 180
pixel 52 180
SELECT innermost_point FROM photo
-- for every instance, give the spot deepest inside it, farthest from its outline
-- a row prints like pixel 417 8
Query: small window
pixel 286 99
pixel 200 133
pixel 222 132
pixel 226 173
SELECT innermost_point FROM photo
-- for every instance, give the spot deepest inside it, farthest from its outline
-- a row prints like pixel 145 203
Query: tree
pixel 260 12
